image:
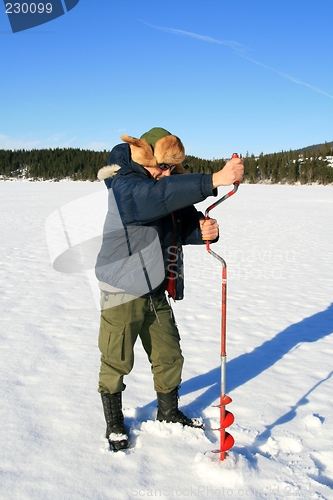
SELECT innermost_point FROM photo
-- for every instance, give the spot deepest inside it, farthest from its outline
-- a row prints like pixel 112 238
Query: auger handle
pixel 233 191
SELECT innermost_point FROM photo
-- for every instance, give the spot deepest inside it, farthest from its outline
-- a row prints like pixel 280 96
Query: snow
pixel 278 244
pixel 117 437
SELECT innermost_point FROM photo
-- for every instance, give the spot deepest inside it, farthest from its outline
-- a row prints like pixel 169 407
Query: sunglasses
pixel 164 166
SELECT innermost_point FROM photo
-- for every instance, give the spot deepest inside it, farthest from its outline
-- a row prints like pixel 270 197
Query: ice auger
pixel 226 417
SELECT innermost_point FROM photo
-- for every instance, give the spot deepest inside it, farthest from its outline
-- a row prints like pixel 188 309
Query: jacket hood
pixel 107 172
pixel 119 159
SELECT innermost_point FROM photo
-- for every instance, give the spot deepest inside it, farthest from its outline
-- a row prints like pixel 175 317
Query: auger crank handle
pixel 233 191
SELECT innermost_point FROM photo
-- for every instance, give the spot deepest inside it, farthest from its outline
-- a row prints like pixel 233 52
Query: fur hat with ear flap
pixel 156 147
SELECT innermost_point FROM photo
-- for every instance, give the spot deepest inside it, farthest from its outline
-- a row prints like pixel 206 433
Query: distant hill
pixel 314 147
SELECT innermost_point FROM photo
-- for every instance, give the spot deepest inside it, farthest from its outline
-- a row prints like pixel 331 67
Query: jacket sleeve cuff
pixel 207 185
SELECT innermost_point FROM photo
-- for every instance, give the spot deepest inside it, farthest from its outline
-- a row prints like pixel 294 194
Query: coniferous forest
pixel 313 164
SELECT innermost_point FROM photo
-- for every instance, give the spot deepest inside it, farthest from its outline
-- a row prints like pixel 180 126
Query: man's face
pixel 158 173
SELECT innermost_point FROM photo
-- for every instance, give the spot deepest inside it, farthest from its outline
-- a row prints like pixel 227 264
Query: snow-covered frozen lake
pixel 278 244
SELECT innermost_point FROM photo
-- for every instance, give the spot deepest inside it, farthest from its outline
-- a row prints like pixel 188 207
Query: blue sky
pixel 224 75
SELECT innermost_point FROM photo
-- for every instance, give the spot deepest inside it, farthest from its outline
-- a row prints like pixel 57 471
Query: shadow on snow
pixel 249 365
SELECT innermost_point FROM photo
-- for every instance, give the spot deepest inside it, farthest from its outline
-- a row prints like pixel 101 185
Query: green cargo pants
pixel 121 325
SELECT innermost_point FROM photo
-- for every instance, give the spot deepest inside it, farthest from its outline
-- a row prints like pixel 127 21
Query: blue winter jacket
pixel 147 223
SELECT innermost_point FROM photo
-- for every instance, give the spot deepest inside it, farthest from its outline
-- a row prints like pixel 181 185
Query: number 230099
pixel 31 8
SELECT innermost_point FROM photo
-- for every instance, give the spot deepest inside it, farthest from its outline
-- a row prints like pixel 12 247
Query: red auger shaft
pixel 226 417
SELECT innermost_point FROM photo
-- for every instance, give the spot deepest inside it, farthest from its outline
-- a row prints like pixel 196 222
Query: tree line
pixel 52 164
pixel 310 165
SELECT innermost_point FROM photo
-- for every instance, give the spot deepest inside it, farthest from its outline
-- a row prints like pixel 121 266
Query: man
pixel 150 216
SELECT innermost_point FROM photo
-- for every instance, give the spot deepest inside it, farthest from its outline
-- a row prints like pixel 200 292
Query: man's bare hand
pixel 232 171
pixel 209 229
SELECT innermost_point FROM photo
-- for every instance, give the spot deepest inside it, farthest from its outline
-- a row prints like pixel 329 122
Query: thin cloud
pixel 288 77
pixel 237 47
pixel 7 142
pixel 97 146
pixel 28 142
pixel 239 50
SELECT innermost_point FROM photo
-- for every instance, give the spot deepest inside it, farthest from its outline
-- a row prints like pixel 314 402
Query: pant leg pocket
pixel 166 315
pixel 111 341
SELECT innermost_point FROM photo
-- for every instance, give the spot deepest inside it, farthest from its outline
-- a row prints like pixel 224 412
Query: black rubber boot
pixel 115 430
pixel 168 410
